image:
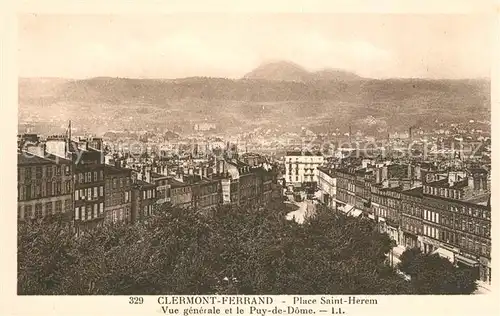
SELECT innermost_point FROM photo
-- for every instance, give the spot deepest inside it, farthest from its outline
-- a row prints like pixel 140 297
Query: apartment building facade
pixel 45 187
pixel 327 185
pixel 89 195
pixel 143 200
pixel 118 195
pixel 301 168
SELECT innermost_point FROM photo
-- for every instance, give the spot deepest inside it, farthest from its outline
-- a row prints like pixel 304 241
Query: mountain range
pixel 280 94
pixel 288 71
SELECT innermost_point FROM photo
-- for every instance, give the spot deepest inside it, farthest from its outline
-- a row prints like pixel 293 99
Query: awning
pixel 347 208
pixel 355 212
pixel 445 253
pixel 467 261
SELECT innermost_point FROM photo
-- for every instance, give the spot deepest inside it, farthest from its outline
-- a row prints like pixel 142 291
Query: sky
pixel 230 45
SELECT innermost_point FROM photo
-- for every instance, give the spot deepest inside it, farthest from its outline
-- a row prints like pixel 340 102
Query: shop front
pixel 410 240
pixel 429 245
pixel 485 270
pixel 468 262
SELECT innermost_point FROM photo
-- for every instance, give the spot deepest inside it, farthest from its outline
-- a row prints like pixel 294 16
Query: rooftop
pixel 140 183
pixel 303 153
pixel 155 175
pixel 417 192
pixel 176 183
pixel 25 158
pixel 109 169
pixel 482 199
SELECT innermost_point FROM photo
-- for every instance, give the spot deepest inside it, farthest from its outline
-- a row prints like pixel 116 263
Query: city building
pixel 89 189
pixel 143 200
pixel 118 195
pixel 301 168
pixel 180 193
pixel 327 185
pixel 206 191
pixel 44 187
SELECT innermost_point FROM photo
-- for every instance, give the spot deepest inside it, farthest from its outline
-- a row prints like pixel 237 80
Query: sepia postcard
pixel 208 158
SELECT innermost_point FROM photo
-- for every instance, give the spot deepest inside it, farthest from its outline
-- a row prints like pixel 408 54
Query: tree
pixel 229 250
pixel 432 274
pixel 408 260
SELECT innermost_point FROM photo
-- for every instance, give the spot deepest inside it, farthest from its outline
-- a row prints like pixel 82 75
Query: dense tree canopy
pixel 242 250
pixel 432 274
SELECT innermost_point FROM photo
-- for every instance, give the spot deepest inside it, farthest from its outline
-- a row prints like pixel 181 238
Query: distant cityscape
pixel 425 188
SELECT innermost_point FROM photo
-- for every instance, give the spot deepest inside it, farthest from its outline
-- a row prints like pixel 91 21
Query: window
pixel 36 189
pixel 48 208
pixel 77 195
pixel 67 170
pixel 22 195
pixel 95 192
pixel 49 188
pixel 58 170
pixel 68 205
pixel 437 217
pixel 49 171
pixel 101 208
pixel 95 210
pixel 95 176
pixel 20 214
pixel 101 191
pixel 38 210
pixel 38 171
pixel 82 210
pixel 59 206
pixel 89 211
pixel 144 195
pixel 28 211
pixel 77 213
pixel 126 196
pixel 58 188
pixel 28 173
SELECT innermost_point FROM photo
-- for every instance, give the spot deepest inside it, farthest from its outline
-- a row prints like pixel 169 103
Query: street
pixel 305 209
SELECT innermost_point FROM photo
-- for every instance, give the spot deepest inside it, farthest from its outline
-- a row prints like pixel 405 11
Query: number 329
pixel 136 300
